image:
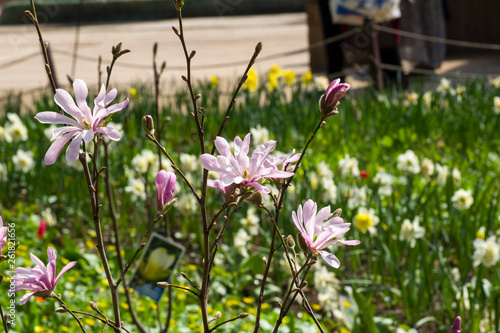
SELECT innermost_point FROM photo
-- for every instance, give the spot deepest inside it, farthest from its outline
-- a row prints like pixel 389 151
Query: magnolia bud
pixel 243 315
pixel 148 125
pixel 290 241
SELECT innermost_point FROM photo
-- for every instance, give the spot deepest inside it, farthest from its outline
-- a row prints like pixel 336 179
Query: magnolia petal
pixel 64 270
pixel 99 100
pixel 63 130
pixel 81 92
pixel 25 298
pixel 49 117
pixel 73 151
pixel 66 102
pixel 110 96
pixel 56 148
pixel 330 259
pixel 118 107
pixel 110 132
pixel 222 146
pixel 88 135
pixel 331 86
pixel 210 163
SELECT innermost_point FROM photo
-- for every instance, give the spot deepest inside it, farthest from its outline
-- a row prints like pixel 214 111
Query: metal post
pixel 376 55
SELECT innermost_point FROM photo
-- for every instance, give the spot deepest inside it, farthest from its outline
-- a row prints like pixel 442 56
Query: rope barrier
pixel 19 60
pixel 455 42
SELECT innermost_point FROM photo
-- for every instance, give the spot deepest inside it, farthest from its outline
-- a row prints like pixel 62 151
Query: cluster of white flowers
pixel 445 87
pixel 496 105
pixel 486 252
pixel 462 199
pixel 14 129
pixel 356 196
pixel 427 167
pixel 411 231
pixel 189 163
pixel 241 240
pixel 145 161
pixel 408 162
pixel 349 167
pixel 136 188
pixel 327 286
pixel 324 176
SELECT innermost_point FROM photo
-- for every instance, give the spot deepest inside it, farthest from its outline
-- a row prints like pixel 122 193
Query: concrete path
pixel 217 41
pixel 223 44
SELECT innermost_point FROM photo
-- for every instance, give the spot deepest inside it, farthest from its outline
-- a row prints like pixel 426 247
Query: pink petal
pixel 330 259
pixel 81 92
pixel 73 151
pixel 210 163
pixel 66 102
pixel 118 107
pixel 331 86
pixel 110 132
pixel 222 146
pixel 63 130
pixel 99 100
pixel 64 270
pixel 49 117
pixel 56 148
pixel 25 298
pixel 110 96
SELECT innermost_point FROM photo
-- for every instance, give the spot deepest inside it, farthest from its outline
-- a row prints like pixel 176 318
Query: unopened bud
pixel 155 48
pixel 175 30
pixel 163 284
pixel 264 259
pixel 218 314
pixel 178 4
pixel 243 315
pixel 290 241
pixel 30 15
pixel 255 198
pixel 302 243
pixel 94 307
pixel 148 125
pixel 258 48
pixel 116 49
pixel 60 310
pixel 337 212
pixel 192 54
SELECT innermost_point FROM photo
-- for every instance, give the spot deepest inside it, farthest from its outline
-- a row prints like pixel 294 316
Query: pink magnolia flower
pixel 239 168
pixel 321 230
pixel 40 280
pixel 165 183
pixel 3 235
pixel 86 123
pixel 334 92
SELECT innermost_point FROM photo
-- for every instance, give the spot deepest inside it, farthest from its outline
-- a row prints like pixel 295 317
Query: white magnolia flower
pixel 136 189
pixel 16 129
pixel 241 240
pixel 251 221
pixel 462 199
pixel 260 135
pixel 144 161
pixel 427 167
pixel 486 252
pixel 411 231
pixel 349 166
pixel 23 161
pixel 366 220
pixel 408 162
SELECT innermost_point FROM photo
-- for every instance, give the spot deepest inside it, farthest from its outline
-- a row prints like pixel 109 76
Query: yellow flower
pixel 64 328
pixel 214 81
pixel 346 304
pixel 307 78
pixel 344 330
pixel 289 77
pixel 64 261
pixel 264 306
pixel 272 84
pixel 384 226
pixel 89 321
pixel 39 329
pixel 231 302
pixel 181 296
pixel 251 82
pixel 133 230
pixel 125 306
pixel 111 247
pixel 22 247
pixel 363 222
pixel 248 300
pixel 133 92
pixel 192 267
pixel 481 233
pixel 92 234
pixel 89 244
pixel 274 70
pixel 316 307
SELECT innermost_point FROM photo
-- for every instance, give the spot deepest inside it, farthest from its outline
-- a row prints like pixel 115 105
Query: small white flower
pixel 189 163
pixel 16 129
pixel 385 182
pixel 321 83
pixel 442 174
pixel 496 82
pixel 5 135
pixel 427 98
pixel 187 204
pixel 412 98
pixel 427 167
pixel 408 162
pixel 23 161
pixel 349 166
pixel 49 130
pixel 462 199
pixel 241 240
pixel 260 135
pixel 486 252
pixel 445 86
pixel 324 170
pixel 251 221
pixel 330 189
pixel 136 189
pixel 456 175
pixel 358 197
pixel 411 231
pixel 144 161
